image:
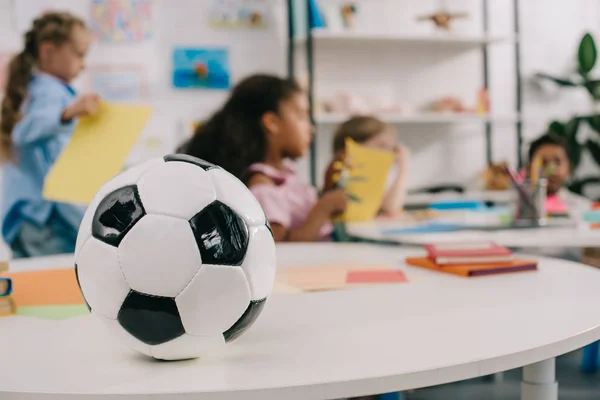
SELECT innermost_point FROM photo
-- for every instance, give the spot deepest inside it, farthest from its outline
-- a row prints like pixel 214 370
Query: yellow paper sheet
pixel 367 173
pixel 97 151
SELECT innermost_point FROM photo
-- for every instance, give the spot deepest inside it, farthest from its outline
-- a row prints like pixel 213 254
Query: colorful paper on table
pixel 53 312
pixel 46 287
pixel 381 276
pixel 367 171
pixel 97 152
pixel 336 277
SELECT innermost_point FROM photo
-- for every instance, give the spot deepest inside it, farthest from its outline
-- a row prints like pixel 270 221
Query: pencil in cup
pixel 520 189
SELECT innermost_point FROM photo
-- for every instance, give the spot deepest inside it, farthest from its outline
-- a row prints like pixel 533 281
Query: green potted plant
pixel 573 129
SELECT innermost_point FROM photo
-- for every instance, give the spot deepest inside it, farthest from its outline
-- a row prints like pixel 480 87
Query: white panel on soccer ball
pixel 101 279
pixel 235 194
pixel 260 264
pixel 159 255
pixel 188 346
pixel 214 300
pixel 177 189
pixel 117 331
pixel 128 177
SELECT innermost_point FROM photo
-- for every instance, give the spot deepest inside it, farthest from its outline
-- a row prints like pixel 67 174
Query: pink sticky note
pixel 554 205
pixel 381 276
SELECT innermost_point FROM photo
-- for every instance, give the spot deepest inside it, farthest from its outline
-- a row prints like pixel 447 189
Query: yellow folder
pixel 97 152
pixel 367 170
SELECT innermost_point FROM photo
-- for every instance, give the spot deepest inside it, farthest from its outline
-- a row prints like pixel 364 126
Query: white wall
pixel 455 153
pixel 550 31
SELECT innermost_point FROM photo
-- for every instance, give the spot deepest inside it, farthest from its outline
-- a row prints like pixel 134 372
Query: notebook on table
pixel 468 253
pixel 471 270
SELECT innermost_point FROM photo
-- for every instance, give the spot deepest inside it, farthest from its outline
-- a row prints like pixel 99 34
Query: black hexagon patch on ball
pixel 221 234
pixel 245 321
pixel 205 165
pixel 116 214
pixel 79 285
pixel 150 319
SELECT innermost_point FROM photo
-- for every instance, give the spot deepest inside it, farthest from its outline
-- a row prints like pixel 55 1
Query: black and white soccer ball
pixel 175 256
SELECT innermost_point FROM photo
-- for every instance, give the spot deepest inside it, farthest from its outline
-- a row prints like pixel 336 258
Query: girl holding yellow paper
pixel 37 119
pixel 377 135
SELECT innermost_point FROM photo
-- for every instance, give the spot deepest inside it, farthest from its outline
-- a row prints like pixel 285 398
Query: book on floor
pixel 468 253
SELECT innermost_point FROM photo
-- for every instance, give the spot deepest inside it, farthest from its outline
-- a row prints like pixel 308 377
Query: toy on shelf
pixel 352 103
pixel 443 17
pixel 348 11
pixel 175 257
pixel 448 104
pixel 483 102
pixel 494 177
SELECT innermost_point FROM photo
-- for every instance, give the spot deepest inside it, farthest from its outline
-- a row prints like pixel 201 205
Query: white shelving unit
pixel 324 36
pixel 319 42
pixel 423 118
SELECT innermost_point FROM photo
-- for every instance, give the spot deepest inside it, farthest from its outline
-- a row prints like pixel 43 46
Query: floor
pixel 573 385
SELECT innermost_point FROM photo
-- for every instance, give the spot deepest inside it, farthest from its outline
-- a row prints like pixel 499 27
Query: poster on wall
pixel 118 83
pixel 201 68
pixel 122 21
pixel 26 11
pixel 239 14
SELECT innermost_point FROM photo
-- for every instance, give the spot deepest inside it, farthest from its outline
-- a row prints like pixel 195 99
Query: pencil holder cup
pixel 530 208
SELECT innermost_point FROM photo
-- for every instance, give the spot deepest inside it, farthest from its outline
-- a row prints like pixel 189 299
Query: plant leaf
pixel 593 87
pixel 587 54
pixel 558 81
pixel 577 186
pixel 574 152
pixel 557 128
pixel 572 127
pixel 594 122
pixel 594 149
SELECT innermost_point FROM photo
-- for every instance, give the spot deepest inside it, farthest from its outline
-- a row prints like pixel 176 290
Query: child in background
pixel 549 153
pixel 374 133
pixel 264 123
pixel 38 115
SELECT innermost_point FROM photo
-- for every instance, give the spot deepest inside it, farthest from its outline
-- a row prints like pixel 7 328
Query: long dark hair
pixel 234 137
pixel 54 27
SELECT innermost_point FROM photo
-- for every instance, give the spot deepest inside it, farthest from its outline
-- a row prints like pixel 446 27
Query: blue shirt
pixel 38 139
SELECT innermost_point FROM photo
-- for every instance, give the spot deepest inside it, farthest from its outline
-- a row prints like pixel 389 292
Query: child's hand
pixel 401 155
pixel 333 202
pixel 87 104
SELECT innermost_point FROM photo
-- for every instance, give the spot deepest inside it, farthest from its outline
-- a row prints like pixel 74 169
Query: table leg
pixel 539 381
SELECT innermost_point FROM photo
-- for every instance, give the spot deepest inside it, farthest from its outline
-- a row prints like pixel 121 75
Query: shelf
pixel 423 118
pixel 448 40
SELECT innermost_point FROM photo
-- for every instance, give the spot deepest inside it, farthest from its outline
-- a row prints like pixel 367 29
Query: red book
pixel 468 253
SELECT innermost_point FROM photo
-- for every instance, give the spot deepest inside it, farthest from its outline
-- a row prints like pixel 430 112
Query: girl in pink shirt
pixel 264 124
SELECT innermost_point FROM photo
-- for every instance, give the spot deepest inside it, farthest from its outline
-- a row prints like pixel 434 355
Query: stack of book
pixel 7 304
pixel 471 259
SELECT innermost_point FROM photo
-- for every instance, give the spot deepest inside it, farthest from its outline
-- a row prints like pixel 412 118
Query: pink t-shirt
pixel 289 201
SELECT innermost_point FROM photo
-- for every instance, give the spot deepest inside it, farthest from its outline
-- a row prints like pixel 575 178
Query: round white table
pixel 436 329
pixel 550 237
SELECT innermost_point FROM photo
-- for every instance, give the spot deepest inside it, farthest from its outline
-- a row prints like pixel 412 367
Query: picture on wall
pixel 201 68
pixel 122 21
pixel 119 83
pixel 239 13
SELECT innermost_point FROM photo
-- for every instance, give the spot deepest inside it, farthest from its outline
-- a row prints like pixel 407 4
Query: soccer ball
pixel 176 257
